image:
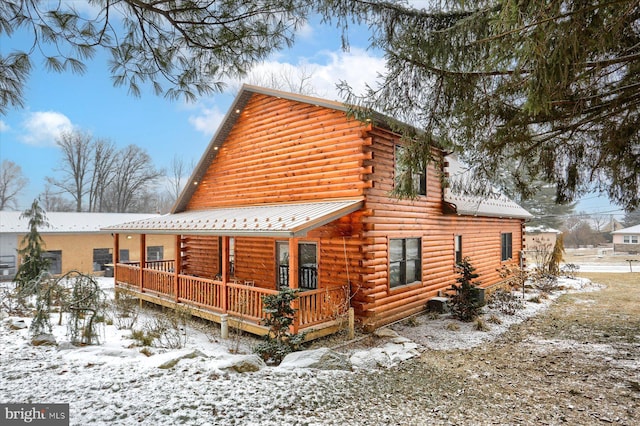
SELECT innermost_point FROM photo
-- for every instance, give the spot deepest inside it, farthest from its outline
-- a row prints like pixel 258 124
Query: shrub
pixel 280 316
pixel 465 304
pixel 505 301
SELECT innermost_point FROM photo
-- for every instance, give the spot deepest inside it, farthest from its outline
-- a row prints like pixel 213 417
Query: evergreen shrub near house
pixel 280 316
pixel 465 304
pixel 33 262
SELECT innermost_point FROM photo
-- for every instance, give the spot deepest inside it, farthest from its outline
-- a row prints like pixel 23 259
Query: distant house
pixel 294 192
pixel 75 241
pixel 627 240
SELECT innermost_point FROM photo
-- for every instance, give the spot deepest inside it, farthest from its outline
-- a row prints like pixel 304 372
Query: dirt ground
pixel 577 363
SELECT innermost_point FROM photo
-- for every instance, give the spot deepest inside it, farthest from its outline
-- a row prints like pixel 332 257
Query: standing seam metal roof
pixel 281 220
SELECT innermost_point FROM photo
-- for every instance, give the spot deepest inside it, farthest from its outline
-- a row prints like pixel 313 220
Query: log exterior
pixel 281 151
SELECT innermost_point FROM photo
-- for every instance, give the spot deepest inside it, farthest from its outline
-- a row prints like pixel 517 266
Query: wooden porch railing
pixel 315 306
pixel 158 281
pixel 246 302
pixel 321 305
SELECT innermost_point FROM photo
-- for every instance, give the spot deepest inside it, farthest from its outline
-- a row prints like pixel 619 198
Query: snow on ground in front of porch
pixel 114 383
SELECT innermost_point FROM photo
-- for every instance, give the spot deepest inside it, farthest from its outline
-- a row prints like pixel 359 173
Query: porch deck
pixel 320 312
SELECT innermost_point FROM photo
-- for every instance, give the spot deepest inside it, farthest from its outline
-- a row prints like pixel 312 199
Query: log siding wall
pixel 376 303
pixel 284 151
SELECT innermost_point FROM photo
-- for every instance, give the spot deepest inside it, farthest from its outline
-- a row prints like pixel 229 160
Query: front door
pixel 282 256
pixel 307 269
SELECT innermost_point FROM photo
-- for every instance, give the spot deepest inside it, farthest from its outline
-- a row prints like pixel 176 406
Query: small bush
pixel 535 299
pixel 280 316
pixel 480 325
pixel 143 337
pixel 465 304
pixel 494 319
pixel 452 326
pixel 124 311
pixel 505 301
pixel 412 322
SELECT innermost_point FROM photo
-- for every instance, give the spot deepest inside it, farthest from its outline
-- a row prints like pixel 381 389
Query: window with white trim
pixel 630 239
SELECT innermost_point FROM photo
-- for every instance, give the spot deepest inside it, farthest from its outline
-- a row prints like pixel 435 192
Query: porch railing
pixel 314 306
pixel 321 305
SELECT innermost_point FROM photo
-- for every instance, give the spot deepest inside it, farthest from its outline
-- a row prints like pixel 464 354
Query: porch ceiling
pixel 281 220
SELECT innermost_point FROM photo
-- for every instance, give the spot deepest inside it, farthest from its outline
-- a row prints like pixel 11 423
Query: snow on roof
pixel 68 222
pixel 630 230
pixel 284 220
pixel 495 205
pixel 540 230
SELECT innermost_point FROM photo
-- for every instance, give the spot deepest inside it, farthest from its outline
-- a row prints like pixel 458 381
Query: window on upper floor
pixel 414 181
pixel 506 246
pixel 404 261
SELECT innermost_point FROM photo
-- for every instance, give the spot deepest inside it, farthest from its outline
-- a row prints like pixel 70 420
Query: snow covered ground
pixel 116 383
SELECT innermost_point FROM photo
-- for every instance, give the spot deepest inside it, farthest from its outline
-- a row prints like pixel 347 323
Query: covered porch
pixel 226 291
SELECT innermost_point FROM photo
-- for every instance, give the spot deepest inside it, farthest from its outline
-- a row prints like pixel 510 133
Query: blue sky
pixel 89 102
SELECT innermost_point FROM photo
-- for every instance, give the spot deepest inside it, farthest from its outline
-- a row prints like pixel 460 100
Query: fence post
pixel 224 326
pixel 352 324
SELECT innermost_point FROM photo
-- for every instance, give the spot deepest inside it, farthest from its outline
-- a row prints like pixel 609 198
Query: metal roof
pixel 273 220
pixel 494 205
pixel 481 206
pixel 67 222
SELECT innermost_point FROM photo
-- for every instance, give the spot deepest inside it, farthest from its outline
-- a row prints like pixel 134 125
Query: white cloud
pixel 42 128
pixel 208 120
pixel 357 67
pixel 4 127
pixel 323 72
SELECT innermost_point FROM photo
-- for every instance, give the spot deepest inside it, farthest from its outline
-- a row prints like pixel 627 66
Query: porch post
pixel 116 256
pixel 177 266
pixel 293 280
pixel 143 257
pixel 224 270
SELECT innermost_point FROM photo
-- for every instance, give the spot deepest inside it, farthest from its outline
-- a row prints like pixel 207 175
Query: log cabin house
pixel 294 192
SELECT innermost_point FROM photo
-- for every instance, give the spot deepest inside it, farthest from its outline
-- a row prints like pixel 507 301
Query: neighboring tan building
pixel 75 241
pixel 627 240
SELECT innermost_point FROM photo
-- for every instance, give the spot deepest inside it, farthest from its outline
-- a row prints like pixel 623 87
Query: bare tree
pixel 599 221
pixel 54 202
pixel 103 173
pixel 179 173
pixel 288 79
pixel 134 173
pixel 76 149
pixel 12 181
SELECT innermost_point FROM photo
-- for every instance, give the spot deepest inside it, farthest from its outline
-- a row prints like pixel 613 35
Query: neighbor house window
pixel 630 239
pixel 101 256
pixel 55 261
pixel 155 253
pixel 506 246
pixel 404 261
pixel 457 244
pixel 417 178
